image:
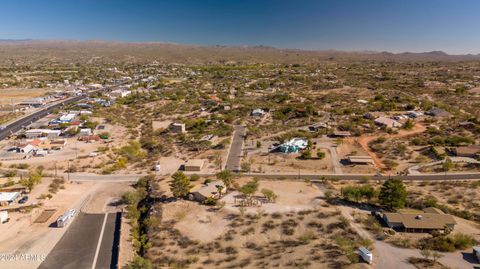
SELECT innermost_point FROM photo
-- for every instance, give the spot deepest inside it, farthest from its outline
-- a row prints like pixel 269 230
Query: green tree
pixel 447 165
pixel 320 154
pixel 306 154
pixel 269 195
pixel 226 176
pixel 139 263
pixel 249 190
pixel 408 125
pixel 180 184
pixel 31 180
pixel 393 193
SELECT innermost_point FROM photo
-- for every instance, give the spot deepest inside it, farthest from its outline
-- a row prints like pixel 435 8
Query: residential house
pixel 360 160
pixel 467 151
pixel 36 133
pixel 294 145
pixel 177 127
pixel 7 198
pixel 388 122
pixel 438 112
pixel 341 134
pixel 85 131
pixel 425 222
pixel 210 190
pixel 193 165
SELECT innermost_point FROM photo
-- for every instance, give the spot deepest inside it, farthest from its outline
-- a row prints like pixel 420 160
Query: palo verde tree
pixel 180 184
pixel 226 176
pixel 249 190
pixel 33 178
pixel 393 193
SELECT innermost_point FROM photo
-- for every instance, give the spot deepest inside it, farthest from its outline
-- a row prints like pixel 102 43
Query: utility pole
pixel 68 171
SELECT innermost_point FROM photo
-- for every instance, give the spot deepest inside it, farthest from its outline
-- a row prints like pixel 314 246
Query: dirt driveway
pixel 365 140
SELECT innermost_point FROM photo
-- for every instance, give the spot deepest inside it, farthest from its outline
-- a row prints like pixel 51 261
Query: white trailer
pixel 365 254
pixel 3 216
pixel 62 221
pixel 476 252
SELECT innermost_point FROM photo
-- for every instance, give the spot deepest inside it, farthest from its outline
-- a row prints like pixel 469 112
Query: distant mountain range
pixel 11 49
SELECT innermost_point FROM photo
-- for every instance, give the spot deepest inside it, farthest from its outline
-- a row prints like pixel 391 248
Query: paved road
pixel 82 243
pixel 22 122
pixel 235 154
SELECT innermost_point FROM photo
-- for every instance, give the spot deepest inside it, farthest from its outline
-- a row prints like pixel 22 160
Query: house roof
pixel 421 221
pixel 342 133
pixel 388 122
pixel 8 196
pixel 468 150
pixel 360 159
pixel 433 210
pixel 438 112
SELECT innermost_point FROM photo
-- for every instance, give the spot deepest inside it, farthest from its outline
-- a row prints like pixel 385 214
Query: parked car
pixel 23 200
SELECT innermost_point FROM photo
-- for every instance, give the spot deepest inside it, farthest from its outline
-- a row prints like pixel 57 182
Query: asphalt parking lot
pixel 80 246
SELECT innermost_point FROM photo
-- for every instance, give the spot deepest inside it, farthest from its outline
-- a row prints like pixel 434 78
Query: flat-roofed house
pixel 467 151
pixel 438 112
pixel 177 127
pixel 341 134
pixel 388 122
pixel 360 160
pixel 424 222
pixel 7 198
pixel 35 133
pixel 210 190
pixel 193 165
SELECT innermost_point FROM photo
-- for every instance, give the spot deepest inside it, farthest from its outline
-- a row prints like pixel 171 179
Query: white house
pixel 85 131
pixel 384 121
pixel 8 197
pixel 35 133
pixel 210 190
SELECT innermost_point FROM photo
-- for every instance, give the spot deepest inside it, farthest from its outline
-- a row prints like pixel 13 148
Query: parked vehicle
pixel 23 200
pixel 157 168
pixel 365 254
pixel 476 252
pixel 4 217
pixel 62 221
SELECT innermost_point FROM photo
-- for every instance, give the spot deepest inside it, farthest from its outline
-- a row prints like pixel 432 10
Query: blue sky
pixel 403 25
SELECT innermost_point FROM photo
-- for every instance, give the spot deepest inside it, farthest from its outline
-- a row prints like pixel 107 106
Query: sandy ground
pixel 279 162
pixel 22 236
pixel 16 95
pixel 349 146
pixel 365 140
pixel 292 196
pixel 107 198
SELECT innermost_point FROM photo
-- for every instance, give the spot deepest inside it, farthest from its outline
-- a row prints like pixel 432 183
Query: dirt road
pixel 365 140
